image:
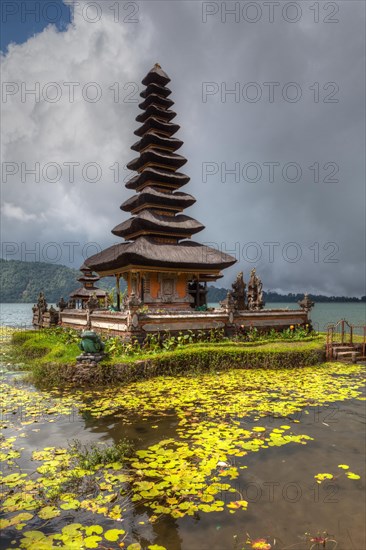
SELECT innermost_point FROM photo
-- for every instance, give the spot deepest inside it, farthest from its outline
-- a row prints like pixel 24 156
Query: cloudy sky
pixel 270 99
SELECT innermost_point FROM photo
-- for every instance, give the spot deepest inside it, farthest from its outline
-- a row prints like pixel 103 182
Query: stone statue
pixel 42 304
pixel 54 316
pixel 91 342
pixel 92 303
pixel 260 301
pixel 71 304
pixel 62 304
pixel 41 307
pixel 238 292
pixel 252 290
pixel 132 301
pixel 228 304
pixel 306 304
pixel 255 292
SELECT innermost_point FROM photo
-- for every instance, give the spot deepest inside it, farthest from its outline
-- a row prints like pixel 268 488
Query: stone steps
pixel 347 353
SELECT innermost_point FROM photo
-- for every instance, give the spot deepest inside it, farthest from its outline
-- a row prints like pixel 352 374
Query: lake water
pixel 185 427
pixel 20 315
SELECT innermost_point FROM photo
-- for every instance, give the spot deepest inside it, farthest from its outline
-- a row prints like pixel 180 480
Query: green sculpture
pixel 91 342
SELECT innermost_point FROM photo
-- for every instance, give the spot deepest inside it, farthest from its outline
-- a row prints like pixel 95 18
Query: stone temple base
pixel 133 323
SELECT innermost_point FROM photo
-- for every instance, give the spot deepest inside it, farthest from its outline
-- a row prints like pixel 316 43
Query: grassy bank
pixel 51 358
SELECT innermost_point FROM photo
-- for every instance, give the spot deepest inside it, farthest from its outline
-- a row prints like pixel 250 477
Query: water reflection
pixel 284 499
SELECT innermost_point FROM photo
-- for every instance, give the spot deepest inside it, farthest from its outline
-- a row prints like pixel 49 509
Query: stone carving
pixel 132 301
pixel 306 304
pixel 255 292
pixel 54 316
pixel 92 303
pixel 41 303
pixel 39 309
pixel 92 347
pixel 91 342
pixel 62 304
pixel 229 303
pixel 42 316
pixel 238 292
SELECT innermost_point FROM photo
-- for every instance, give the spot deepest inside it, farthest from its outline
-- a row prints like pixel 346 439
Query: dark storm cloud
pixel 305 234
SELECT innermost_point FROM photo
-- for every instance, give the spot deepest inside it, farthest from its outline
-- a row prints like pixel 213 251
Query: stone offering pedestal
pixel 90 359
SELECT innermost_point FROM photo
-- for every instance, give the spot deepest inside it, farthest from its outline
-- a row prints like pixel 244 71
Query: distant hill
pixel 215 295
pixel 23 281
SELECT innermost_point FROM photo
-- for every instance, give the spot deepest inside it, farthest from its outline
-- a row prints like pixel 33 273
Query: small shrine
pixel 88 292
pixel 162 265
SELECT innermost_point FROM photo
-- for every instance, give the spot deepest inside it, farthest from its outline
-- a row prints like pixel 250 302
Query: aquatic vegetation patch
pixel 183 477
pixel 327 476
pixel 219 420
pixel 236 393
pixel 91 455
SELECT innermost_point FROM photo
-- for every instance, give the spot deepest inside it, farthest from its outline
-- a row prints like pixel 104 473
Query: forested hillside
pixel 22 281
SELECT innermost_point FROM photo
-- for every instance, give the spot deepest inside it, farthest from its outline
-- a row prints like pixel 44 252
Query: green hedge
pixel 178 363
pixel 54 361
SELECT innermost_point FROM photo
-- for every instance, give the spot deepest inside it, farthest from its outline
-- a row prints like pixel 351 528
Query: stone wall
pixel 134 323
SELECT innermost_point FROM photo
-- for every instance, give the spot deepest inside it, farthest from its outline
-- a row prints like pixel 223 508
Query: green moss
pixel 35 348
pixel 53 360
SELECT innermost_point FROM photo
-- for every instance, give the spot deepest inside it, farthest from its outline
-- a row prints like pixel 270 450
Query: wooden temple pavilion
pixel 82 295
pixel 162 266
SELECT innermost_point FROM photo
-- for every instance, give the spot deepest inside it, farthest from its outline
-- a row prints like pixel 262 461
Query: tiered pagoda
pixel 81 296
pixel 160 263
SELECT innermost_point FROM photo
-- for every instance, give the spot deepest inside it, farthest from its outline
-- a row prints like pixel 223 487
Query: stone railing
pixel 133 322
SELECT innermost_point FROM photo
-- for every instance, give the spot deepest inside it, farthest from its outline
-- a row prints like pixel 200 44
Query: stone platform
pixel 134 323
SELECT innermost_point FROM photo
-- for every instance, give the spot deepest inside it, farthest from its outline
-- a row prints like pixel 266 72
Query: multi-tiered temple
pixel 165 270
pixel 80 297
pixel 160 263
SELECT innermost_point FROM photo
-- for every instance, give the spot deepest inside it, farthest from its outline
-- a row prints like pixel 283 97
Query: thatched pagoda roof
pixel 158 230
pixel 148 221
pixel 157 156
pixel 145 252
pixel 156 99
pixel 154 123
pixel 83 292
pixel 156 76
pixel 152 138
pixel 88 278
pixel 158 178
pixel 151 197
pixel 158 112
pixel 153 88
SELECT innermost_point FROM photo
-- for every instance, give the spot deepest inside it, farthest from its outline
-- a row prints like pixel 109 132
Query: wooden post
pixel 197 299
pixel 118 293
pixel 342 334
